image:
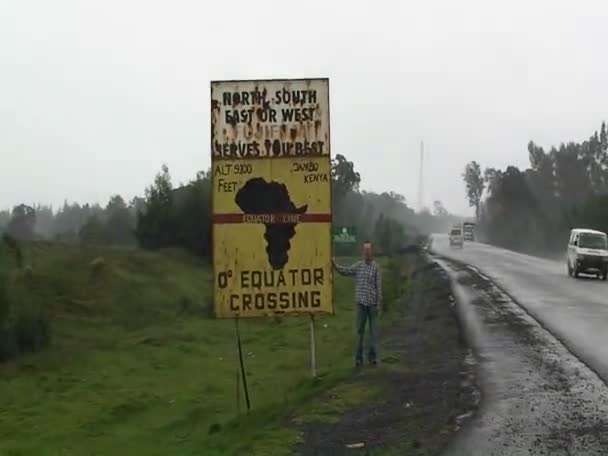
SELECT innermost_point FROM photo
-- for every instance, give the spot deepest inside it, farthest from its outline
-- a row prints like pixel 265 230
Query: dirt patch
pixel 422 385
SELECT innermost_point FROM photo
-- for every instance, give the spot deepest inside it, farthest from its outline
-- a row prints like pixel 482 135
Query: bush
pixel 13 244
pixel 8 344
pixel 97 265
pixel 21 331
pixel 394 282
pixel 26 334
pixel 32 333
pixel 184 306
pixel 208 309
pixel 22 327
pixel 28 271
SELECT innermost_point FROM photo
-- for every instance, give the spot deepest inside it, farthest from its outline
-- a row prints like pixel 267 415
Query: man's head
pixel 368 253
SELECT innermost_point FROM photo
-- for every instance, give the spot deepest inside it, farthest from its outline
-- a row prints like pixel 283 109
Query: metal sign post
pixel 242 364
pixel 313 347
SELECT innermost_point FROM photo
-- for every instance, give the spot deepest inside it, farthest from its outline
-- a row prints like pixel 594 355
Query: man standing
pixel 368 298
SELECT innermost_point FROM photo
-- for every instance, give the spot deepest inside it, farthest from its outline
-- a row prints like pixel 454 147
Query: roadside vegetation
pixel 165 218
pixel 24 324
pixel 137 366
pixel 533 209
pixel 108 343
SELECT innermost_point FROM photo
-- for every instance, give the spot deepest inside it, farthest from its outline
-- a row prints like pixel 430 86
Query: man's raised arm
pixel 345 270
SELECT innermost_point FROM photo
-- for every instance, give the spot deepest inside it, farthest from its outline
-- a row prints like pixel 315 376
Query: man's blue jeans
pixel 366 314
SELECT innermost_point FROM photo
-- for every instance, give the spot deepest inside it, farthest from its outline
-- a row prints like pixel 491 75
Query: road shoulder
pixel 538 398
pixel 413 401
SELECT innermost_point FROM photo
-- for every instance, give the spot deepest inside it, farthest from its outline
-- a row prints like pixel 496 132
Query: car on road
pixel 456 238
pixel 587 253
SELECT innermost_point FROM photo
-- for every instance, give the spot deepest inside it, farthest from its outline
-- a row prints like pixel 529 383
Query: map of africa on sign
pixel 258 197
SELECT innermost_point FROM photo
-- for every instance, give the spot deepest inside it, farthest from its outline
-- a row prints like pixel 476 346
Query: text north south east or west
pixel 259 97
pixel 285 106
pixel 263 124
pixel 266 115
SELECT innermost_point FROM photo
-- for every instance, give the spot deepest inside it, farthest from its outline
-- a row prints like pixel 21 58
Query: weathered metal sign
pixel 271 166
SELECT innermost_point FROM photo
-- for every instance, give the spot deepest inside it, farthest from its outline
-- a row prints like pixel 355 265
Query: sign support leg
pixel 243 375
pixel 238 392
pixel 313 347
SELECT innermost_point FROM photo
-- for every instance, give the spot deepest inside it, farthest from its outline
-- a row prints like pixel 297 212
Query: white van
pixel 456 238
pixel 587 253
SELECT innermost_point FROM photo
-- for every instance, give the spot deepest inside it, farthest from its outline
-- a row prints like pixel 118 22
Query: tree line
pixel 533 209
pixel 112 224
pixel 167 216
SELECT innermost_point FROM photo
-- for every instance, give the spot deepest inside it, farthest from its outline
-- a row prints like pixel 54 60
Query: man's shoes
pixel 373 362
pixel 358 363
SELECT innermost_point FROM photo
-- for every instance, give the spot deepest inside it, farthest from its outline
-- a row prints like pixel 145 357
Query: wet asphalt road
pixel 537 398
pixel 574 310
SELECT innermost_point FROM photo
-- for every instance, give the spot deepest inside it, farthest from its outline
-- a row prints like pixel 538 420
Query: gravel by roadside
pixel 424 379
pixel 537 398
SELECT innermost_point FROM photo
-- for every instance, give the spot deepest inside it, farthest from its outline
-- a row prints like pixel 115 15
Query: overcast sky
pixel 96 95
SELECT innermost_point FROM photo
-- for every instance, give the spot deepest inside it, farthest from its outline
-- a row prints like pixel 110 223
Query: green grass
pixel 335 402
pixel 136 366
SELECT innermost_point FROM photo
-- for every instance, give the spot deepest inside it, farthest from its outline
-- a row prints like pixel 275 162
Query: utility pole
pixel 421 179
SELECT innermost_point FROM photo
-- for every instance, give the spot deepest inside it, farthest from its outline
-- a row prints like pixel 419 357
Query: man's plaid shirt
pixel 368 284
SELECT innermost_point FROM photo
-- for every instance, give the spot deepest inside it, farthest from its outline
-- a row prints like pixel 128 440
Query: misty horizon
pixel 94 102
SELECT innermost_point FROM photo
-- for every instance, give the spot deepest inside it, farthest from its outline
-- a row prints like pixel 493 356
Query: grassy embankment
pixel 136 366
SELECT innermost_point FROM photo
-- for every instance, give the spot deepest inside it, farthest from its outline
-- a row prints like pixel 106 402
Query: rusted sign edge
pixel 216 81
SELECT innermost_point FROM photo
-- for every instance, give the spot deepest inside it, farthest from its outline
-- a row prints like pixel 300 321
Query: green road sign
pixel 345 235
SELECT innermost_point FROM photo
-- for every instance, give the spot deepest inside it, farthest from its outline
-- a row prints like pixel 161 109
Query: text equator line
pixel 271 218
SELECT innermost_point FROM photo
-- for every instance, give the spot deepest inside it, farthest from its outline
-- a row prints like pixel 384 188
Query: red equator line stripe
pixel 271 218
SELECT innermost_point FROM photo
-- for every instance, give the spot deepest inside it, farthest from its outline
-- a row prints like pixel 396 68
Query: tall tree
pixel 156 223
pixel 23 222
pixel 94 232
pixel 193 215
pixel 70 219
pixel 594 213
pixel 439 210
pixel 474 184
pixel 120 223
pixel 491 177
pixel 44 221
pixel 603 156
pixel 573 180
pixel 512 217
pixel 389 235
pixel 137 204
pixel 5 217
pixel 344 181
pixel 343 176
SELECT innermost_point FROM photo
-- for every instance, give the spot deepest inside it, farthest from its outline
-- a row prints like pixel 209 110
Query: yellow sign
pixel 271 167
